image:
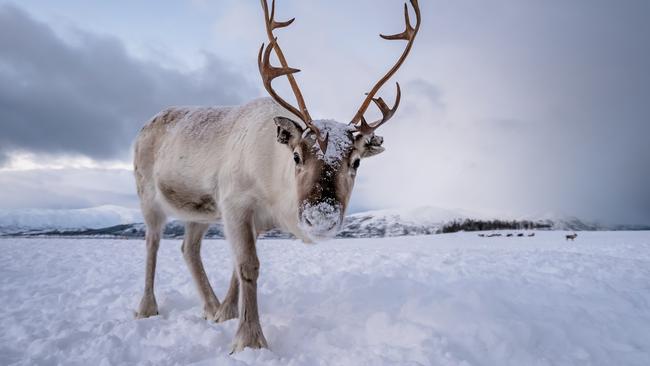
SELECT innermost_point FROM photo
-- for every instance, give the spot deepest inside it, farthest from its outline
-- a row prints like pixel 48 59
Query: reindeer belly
pixel 187 202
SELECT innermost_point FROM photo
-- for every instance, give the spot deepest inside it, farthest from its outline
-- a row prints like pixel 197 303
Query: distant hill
pixel 120 222
pixel 12 221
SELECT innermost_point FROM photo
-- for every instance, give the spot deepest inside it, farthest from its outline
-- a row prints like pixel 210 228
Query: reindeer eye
pixel 355 164
pixel 296 158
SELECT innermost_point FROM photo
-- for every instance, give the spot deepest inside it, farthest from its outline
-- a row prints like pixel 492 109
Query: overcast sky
pixel 513 108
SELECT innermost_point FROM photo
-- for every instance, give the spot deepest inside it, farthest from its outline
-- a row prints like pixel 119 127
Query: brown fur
pixel 318 181
pixel 187 200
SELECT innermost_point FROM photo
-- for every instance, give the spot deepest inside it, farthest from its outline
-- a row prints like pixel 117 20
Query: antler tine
pixel 408 34
pixel 387 112
pixel 271 24
pixel 269 72
pixel 271 19
pixel 366 128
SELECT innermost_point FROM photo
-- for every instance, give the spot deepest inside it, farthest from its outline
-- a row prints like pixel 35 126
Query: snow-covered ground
pixel 453 299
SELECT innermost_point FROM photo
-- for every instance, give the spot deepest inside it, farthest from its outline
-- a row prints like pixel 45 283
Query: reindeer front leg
pixel 241 235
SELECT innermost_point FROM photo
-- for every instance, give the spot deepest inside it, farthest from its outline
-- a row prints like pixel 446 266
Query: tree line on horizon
pixel 484 225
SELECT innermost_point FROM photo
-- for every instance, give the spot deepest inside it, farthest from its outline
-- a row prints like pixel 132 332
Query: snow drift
pixel 453 299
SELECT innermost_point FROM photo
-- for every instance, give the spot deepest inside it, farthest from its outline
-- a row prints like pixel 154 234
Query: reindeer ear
pixel 288 132
pixel 371 146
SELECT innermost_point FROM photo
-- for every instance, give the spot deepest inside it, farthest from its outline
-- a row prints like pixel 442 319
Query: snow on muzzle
pixel 320 221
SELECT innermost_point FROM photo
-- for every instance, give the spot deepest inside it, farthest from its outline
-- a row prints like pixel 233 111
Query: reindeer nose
pixel 309 223
pixel 321 217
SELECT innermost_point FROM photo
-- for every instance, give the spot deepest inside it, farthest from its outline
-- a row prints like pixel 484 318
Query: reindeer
pixel 253 167
pixel 571 237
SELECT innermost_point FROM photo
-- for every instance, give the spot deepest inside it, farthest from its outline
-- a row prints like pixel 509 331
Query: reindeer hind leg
pixel 192 253
pixel 155 221
pixel 229 307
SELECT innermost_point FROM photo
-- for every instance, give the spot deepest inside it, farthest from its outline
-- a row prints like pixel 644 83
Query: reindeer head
pixel 324 179
pixel 327 153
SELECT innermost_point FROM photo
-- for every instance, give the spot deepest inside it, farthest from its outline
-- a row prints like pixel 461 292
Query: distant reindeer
pixel 254 168
pixel 571 236
pixel 531 234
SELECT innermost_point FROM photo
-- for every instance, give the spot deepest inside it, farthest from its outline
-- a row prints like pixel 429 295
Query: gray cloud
pixel 67 188
pixel 90 97
pixel 544 110
pixel 514 107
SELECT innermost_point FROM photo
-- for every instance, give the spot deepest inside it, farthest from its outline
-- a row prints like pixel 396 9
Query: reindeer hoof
pixel 248 335
pixel 148 307
pixel 226 312
pixel 210 311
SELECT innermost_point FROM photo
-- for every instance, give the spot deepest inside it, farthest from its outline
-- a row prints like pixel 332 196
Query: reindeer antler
pixel 408 35
pixel 269 73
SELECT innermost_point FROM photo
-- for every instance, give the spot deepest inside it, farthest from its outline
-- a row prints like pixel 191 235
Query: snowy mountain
pixel 12 221
pixel 114 221
pixel 397 222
